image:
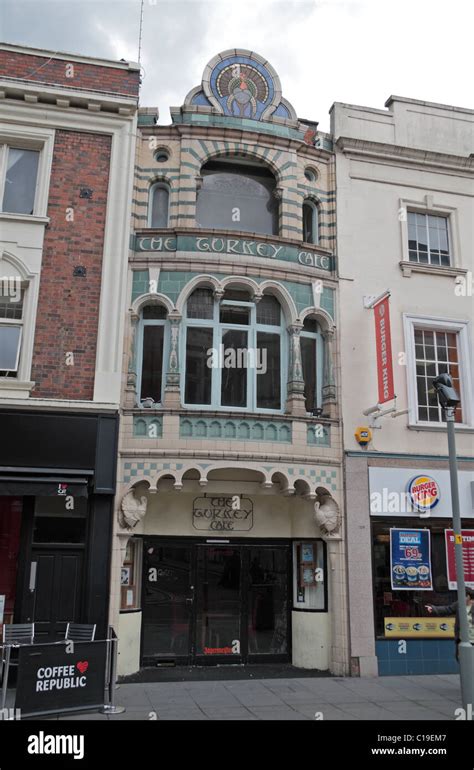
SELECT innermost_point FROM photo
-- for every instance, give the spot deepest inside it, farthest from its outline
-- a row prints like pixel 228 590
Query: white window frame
pixel 140 338
pixel 30 287
pixel 28 139
pixel 463 332
pixel 429 206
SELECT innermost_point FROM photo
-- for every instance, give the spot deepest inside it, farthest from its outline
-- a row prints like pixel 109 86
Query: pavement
pixel 434 697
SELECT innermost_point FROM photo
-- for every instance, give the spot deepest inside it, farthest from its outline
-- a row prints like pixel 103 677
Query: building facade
pixel 229 540
pixel 405 238
pixel 67 126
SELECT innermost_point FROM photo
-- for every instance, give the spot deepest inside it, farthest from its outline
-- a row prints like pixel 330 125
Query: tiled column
pixel 131 395
pixel 172 390
pixel 329 383
pixel 295 402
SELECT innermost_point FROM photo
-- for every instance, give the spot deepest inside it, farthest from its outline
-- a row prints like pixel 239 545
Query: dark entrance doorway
pixel 209 603
pixel 51 571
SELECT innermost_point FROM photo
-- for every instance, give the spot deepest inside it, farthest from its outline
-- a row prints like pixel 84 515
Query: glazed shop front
pixel 234 573
pixel 414 565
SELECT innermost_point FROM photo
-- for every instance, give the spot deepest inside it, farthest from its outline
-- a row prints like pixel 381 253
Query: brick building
pixel 67 127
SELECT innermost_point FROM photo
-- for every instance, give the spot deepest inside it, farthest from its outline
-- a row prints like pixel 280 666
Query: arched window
pixel 234 352
pixel 237 196
pixel 159 205
pixel 310 222
pixel 312 359
pixel 151 347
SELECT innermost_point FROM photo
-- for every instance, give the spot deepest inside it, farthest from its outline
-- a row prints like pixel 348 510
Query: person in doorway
pixel 453 609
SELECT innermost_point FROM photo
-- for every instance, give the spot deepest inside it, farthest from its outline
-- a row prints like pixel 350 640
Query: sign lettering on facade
pixel 239 246
pixel 383 344
pixel 221 514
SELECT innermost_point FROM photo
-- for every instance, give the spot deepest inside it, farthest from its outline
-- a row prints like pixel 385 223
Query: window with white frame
pixel 159 205
pixel 151 347
pixel 428 239
pixel 11 328
pixel 437 347
pixel 234 351
pixel 311 357
pixel 18 179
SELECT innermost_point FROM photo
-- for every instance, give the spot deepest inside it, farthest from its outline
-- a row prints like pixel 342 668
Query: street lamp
pixel 449 400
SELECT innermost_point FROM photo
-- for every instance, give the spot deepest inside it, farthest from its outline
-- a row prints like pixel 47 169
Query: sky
pixel 354 51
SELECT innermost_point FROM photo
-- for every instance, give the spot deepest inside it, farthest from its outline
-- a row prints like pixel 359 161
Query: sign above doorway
pixel 223 513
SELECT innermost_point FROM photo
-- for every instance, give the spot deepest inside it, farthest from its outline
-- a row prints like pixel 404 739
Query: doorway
pixel 215 603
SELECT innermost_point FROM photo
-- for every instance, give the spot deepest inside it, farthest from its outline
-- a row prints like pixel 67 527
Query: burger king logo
pixel 424 493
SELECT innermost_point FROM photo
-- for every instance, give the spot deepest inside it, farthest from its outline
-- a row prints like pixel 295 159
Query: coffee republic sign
pixel 239 246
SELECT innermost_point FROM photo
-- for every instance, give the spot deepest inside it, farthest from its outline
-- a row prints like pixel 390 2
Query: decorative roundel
pixel 242 86
pixel 424 492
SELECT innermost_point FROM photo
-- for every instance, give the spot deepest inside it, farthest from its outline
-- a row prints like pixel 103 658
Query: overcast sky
pixel 356 51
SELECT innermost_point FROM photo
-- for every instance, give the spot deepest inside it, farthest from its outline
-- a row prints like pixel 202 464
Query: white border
pixel 462 328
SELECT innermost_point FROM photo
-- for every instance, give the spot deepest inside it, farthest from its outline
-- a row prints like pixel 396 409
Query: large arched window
pixel 151 348
pixel 312 359
pixel 234 352
pixel 159 205
pixel 237 196
pixel 310 222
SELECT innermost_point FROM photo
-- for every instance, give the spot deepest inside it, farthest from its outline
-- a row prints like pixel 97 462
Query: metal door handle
pixel 33 567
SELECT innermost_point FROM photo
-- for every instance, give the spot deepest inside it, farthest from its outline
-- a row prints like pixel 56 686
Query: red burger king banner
pixel 383 345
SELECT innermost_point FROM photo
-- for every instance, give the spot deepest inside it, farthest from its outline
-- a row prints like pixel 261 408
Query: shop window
pixel 130 574
pixel 11 329
pixel 237 196
pixel 310 222
pixel 234 351
pixel 428 239
pixel 19 179
pixel 408 603
pixel 309 575
pixel 151 345
pixel 159 205
pixel 311 357
pixel 437 347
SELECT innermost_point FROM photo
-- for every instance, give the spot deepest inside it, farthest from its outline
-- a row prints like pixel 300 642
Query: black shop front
pixel 57 484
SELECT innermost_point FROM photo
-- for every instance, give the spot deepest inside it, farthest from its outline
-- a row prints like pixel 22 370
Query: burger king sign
pixel 424 493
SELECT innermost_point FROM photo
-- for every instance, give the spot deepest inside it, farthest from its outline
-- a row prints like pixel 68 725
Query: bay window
pixel 234 351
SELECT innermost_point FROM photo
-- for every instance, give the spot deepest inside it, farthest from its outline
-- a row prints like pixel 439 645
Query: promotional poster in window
pixel 410 560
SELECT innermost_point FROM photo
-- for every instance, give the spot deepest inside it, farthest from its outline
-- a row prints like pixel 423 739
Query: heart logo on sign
pixel 83 665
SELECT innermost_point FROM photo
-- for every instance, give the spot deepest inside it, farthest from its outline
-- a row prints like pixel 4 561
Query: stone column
pixel 172 397
pixel 132 398
pixel 295 402
pixel 329 383
pixel 339 658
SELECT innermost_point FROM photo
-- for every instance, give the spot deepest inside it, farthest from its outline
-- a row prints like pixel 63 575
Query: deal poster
pixel 410 560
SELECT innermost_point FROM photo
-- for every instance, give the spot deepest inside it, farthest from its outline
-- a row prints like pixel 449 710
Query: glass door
pixel 167 601
pixel 218 604
pixel 268 591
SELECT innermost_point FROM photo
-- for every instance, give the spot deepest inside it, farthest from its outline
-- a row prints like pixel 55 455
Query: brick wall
pixel 58 72
pixel 68 308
